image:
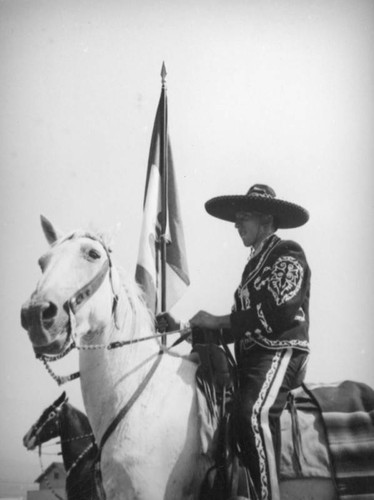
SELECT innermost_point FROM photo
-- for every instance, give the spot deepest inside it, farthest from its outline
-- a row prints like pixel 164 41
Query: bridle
pixel 55 411
pixel 81 296
pixel 72 306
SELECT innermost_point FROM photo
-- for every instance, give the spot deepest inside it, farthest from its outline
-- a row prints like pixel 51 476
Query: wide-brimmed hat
pixel 262 199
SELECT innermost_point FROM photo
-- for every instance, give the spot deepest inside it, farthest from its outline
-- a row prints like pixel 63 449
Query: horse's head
pixel 47 426
pixel 75 293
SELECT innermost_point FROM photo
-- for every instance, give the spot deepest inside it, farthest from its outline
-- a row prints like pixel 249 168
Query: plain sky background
pixel 277 92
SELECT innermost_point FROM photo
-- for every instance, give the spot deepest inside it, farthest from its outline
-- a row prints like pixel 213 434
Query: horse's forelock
pixel 81 233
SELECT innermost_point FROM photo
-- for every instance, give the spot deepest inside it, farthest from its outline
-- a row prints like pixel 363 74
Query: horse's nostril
pixel 24 319
pixel 50 311
pixel 39 314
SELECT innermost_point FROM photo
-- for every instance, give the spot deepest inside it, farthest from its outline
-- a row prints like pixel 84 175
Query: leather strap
pixel 116 421
pixel 129 403
pixel 121 343
pixel 84 293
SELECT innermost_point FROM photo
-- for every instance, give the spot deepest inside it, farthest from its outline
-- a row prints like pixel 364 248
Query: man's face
pixel 248 225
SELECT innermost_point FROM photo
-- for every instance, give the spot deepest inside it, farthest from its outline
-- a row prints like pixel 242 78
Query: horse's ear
pixel 50 232
pixel 60 399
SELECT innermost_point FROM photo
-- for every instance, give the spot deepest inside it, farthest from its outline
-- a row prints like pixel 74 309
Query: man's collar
pixel 254 252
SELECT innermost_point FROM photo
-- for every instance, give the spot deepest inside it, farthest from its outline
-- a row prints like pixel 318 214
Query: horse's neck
pixel 110 377
pixel 75 434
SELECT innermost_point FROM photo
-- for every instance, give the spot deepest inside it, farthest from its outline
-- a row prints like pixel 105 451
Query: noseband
pixel 54 410
pixel 80 297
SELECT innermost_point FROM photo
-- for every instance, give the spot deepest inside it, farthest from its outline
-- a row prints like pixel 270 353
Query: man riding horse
pixel 268 324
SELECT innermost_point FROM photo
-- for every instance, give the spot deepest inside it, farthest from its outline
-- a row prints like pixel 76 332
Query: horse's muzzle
pixel 43 320
pixel 29 440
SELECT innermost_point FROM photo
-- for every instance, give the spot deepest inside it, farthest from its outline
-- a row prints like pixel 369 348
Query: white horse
pixel 153 451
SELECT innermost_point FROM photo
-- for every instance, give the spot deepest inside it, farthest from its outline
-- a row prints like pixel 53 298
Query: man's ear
pixel 50 232
pixel 267 219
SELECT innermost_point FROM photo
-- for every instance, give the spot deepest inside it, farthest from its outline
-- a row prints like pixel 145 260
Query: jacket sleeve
pixel 276 294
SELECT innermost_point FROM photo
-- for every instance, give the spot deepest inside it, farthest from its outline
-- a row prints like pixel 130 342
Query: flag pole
pixel 164 188
pixel 161 268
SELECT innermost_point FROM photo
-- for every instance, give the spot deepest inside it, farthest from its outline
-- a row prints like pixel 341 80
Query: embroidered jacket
pixel 271 304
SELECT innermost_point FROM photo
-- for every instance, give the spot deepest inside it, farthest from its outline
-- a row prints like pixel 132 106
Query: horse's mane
pixel 144 318
pixel 73 417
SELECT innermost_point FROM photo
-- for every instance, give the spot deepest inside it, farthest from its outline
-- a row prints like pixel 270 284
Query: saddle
pixel 304 449
pixel 227 479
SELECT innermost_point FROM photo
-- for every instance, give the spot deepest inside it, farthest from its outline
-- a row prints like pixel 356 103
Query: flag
pixel 163 282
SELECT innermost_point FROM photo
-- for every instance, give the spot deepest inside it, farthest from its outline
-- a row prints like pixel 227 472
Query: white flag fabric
pixel 148 269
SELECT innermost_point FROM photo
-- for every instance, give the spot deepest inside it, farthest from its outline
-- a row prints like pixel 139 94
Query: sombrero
pixel 260 198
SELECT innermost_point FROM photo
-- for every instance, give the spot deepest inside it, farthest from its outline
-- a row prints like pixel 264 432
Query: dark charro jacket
pixel 271 303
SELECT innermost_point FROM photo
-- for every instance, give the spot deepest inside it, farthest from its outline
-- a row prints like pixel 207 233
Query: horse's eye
pixel 94 254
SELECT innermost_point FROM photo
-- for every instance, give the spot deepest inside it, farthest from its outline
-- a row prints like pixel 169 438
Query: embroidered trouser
pixel 265 379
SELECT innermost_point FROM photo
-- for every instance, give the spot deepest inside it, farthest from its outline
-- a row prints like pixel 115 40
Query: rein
pixel 73 465
pixel 119 417
pixel 63 379
pixel 38 429
pixel 80 457
pixel 49 486
pixel 129 403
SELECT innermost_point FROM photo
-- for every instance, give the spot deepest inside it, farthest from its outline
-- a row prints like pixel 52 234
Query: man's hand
pixel 203 319
pixel 166 323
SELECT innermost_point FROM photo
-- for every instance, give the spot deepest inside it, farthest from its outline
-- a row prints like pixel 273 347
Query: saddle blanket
pixel 347 409
pixel 327 431
pixel 304 451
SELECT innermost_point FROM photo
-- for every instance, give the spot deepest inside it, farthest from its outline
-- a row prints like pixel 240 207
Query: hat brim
pixel 287 215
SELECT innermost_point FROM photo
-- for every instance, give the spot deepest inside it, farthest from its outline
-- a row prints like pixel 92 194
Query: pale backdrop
pixel 278 92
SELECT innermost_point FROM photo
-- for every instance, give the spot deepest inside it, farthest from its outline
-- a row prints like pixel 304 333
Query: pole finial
pixel 163 74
